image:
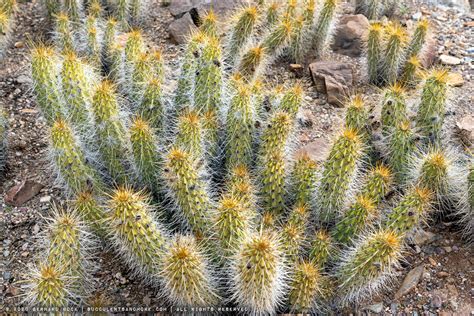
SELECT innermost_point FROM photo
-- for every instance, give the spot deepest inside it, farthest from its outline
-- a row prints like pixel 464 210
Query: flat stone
pixel 316 150
pixel 334 79
pixel 449 60
pixel 181 28
pixel 455 79
pixel 350 35
pixel 422 237
pixel 23 192
pixel 410 281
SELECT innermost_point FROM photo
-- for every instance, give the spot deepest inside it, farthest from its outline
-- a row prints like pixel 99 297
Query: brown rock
pixel 317 150
pixel 410 281
pixel 333 78
pixel 350 35
pixel 465 129
pixel 22 192
pixel 181 28
pixel 456 79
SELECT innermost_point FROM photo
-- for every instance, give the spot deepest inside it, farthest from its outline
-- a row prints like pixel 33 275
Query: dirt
pixel 446 286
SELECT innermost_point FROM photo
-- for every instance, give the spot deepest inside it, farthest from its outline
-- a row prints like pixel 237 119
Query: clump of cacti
pixel 197 189
pixel 393 55
pixel 375 9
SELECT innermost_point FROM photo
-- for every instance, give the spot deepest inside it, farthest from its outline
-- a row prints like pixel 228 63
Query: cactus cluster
pixel 196 190
pixel 393 55
pixel 376 9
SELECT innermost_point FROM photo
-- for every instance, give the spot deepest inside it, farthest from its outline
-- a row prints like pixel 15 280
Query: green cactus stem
pixel 306 288
pixel 394 108
pixel 245 22
pixel 357 117
pixel 401 145
pixel 303 179
pixel 374 52
pixel 321 249
pixel 322 28
pixel 64 37
pixel 430 115
pixel 393 55
pixel 151 106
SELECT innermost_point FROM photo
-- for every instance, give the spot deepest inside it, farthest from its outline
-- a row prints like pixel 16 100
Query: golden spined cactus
pixel 400 146
pixel 292 100
pixel 189 135
pixel 111 134
pixel 95 9
pixel 418 39
pixel 338 174
pixel 432 109
pixel 69 162
pixel 293 233
pixel 110 37
pixel 245 21
pixel 272 13
pixel 157 63
pixel 88 205
pixel 151 105
pixel 187 276
pixel 240 130
pixel 45 69
pixel 140 73
pixel 307 288
pixel 232 224
pixel 322 29
pixel 277 39
pixel 239 185
pixel 290 10
pixel 378 183
pixel 77 80
pixel 368 267
pixel 64 34
pixel 357 117
pixel 209 24
pixel 303 180
pixel 411 211
pixel 252 62
pixel 134 46
pixel 394 108
pixel 259 274
pixel 93 41
pixel 273 182
pixel 188 191
pixel 145 152
pixel 74 10
pixel 411 72
pixel 396 38
pixel 136 235
pixel 321 248
pixel 374 52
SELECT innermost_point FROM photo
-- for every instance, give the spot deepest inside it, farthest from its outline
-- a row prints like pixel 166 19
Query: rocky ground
pixel 437 277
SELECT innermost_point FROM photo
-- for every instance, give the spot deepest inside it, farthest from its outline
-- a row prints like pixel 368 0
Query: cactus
pixel 141 70
pixel 209 24
pixel 290 10
pixel 321 249
pixel 303 179
pixel 273 182
pixel 69 161
pixel 136 11
pixel 111 133
pixel 338 172
pixel 357 217
pixel 3 139
pixel 145 152
pixel 410 72
pixel 374 52
pixel 401 145
pixel 393 54
pixel 186 275
pixel 122 10
pixel 374 9
pixel 378 182
pixel 430 115
pixel 240 131
pixel 189 137
pixel 410 211
pixel 64 36
pixel 157 64
pixel 394 108
pixel 245 22
pixel 272 13
pixel 292 100
pixel 188 68
pixel 95 9
pixel 418 39
pixel 367 267
pixel 151 104
pixel 232 224
pixel 322 28
pixel 87 205
pixel 52 7
pixel 6 25
pixel 239 186
pixel 110 36
pixel 277 38
pixel 252 62
pixel 188 191
pixel 357 117
pixel 74 10
pixel 93 41
pixel 135 234
pixel 298 38
pixel 115 57
pixel 276 134
pixel 134 47
pixel 45 68
pixel 76 87
pixel 306 288
pixel 293 233
pixel 258 274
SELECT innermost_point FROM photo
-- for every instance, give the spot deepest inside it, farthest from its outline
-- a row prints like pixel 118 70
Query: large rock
pixel 22 192
pixel 334 79
pixel 181 28
pixel 410 281
pixel 465 129
pixel 350 34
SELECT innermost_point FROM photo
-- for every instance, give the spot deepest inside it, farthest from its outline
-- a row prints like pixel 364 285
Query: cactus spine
pixel 69 160
pixel 368 266
pixel 151 105
pixel 379 180
pixel 306 287
pixel 401 145
pixel 209 24
pixel 45 73
pixel 321 249
pixel 357 117
pixel 87 205
pixel 272 13
pixel 111 133
pixel 338 172
pixel 374 52
pixel 136 235
pixel 186 274
pixel 48 287
pixel 303 179
pixel 258 273
pixel 64 37
pixel 240 186
pixel 190 134
pixel 292 100
pixel 430 115
pixel 294 233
